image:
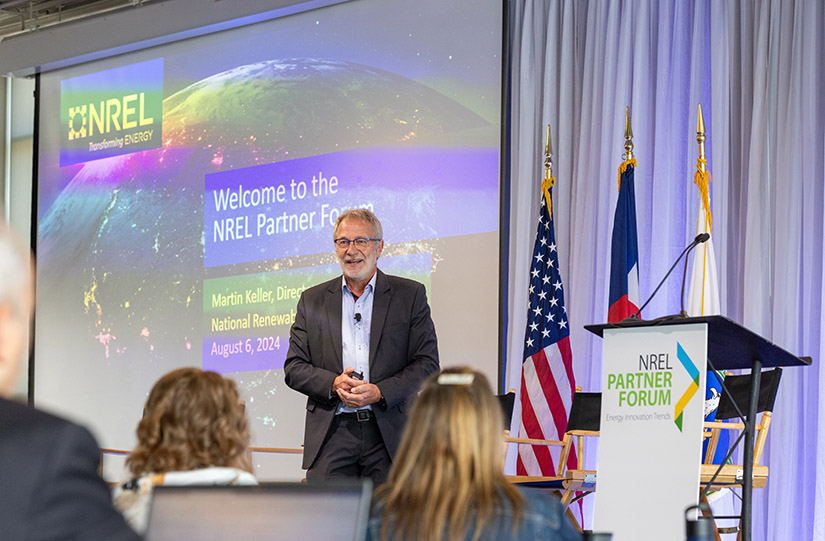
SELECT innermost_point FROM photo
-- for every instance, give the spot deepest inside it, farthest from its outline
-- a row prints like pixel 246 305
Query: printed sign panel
pixel 650 443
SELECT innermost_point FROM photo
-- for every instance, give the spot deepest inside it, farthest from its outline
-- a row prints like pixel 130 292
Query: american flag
pixel 547 381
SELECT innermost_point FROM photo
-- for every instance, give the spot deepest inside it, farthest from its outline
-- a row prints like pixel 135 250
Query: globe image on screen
pixel 121 248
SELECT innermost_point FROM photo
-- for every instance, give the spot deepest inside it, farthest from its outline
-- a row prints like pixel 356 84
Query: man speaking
pixel 360 347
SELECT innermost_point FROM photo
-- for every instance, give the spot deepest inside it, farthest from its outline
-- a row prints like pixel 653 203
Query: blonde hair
pixel 449 468
pixel 193 419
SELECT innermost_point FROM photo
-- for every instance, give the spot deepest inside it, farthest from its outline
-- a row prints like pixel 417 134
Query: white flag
pixel 703 296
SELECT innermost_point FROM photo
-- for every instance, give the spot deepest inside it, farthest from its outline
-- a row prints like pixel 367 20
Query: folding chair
pixel 507 401
pixel 585 412
pixel 715 477
pixel 584 421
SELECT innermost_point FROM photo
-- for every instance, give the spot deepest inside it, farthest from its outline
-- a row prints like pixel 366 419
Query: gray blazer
pixel 403 352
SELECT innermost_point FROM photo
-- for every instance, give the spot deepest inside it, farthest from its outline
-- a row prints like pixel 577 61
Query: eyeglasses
pixel 343 244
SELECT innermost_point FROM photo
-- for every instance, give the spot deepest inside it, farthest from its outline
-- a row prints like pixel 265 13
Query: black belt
pixel 361 415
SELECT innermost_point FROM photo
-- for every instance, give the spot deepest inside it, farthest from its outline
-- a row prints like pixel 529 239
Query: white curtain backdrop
pixel 758 70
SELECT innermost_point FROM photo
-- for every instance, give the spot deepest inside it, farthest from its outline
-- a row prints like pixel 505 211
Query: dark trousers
pixel 352 448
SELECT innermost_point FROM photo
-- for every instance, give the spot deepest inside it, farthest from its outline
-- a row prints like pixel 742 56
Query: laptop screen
pixel 326 510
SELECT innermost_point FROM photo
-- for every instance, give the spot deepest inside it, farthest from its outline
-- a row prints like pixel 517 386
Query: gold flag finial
pixel 702 177
pixel 700 138
pixel 627 158
pixel 549 179
pixel 628 136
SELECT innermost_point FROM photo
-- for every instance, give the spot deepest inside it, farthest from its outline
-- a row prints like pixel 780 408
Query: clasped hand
pixel 353 392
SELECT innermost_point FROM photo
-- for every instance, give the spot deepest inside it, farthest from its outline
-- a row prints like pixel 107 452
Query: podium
pixel 729 346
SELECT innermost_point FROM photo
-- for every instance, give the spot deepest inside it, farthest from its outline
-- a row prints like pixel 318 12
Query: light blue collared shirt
pixel 355 334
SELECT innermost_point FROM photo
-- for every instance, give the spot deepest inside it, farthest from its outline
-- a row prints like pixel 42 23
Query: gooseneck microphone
pixel 358 317
pixel 700 238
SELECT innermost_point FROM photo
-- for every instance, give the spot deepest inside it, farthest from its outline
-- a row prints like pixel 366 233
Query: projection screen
pixel 186 192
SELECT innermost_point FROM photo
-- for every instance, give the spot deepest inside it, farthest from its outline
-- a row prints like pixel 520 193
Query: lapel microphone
pixel 358 317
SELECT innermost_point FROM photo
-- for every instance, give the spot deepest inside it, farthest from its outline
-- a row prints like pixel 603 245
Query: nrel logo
pixel 77 129
pixel 113 112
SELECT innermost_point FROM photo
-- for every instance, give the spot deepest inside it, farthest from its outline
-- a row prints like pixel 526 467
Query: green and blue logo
pixel 693 372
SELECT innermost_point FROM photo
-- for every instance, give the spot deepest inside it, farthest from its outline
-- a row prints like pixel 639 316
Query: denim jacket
pixel 541 519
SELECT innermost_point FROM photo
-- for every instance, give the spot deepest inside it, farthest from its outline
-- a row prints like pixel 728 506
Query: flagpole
pixel 704 282
pixel 700 138
pixel 549 179
pixel 702 180
pixel 627 156
pixel 547 379
pixel 628 136
pixel 548 156
pixel 623 292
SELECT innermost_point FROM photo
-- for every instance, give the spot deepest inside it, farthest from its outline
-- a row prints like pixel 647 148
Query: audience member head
pixel 450 465
pixel 16 298
pixel 193 419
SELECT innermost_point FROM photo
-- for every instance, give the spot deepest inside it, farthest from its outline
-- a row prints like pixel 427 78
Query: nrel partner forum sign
pixel 650 444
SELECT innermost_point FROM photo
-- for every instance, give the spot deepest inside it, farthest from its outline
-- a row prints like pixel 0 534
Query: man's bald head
pixel 16 297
